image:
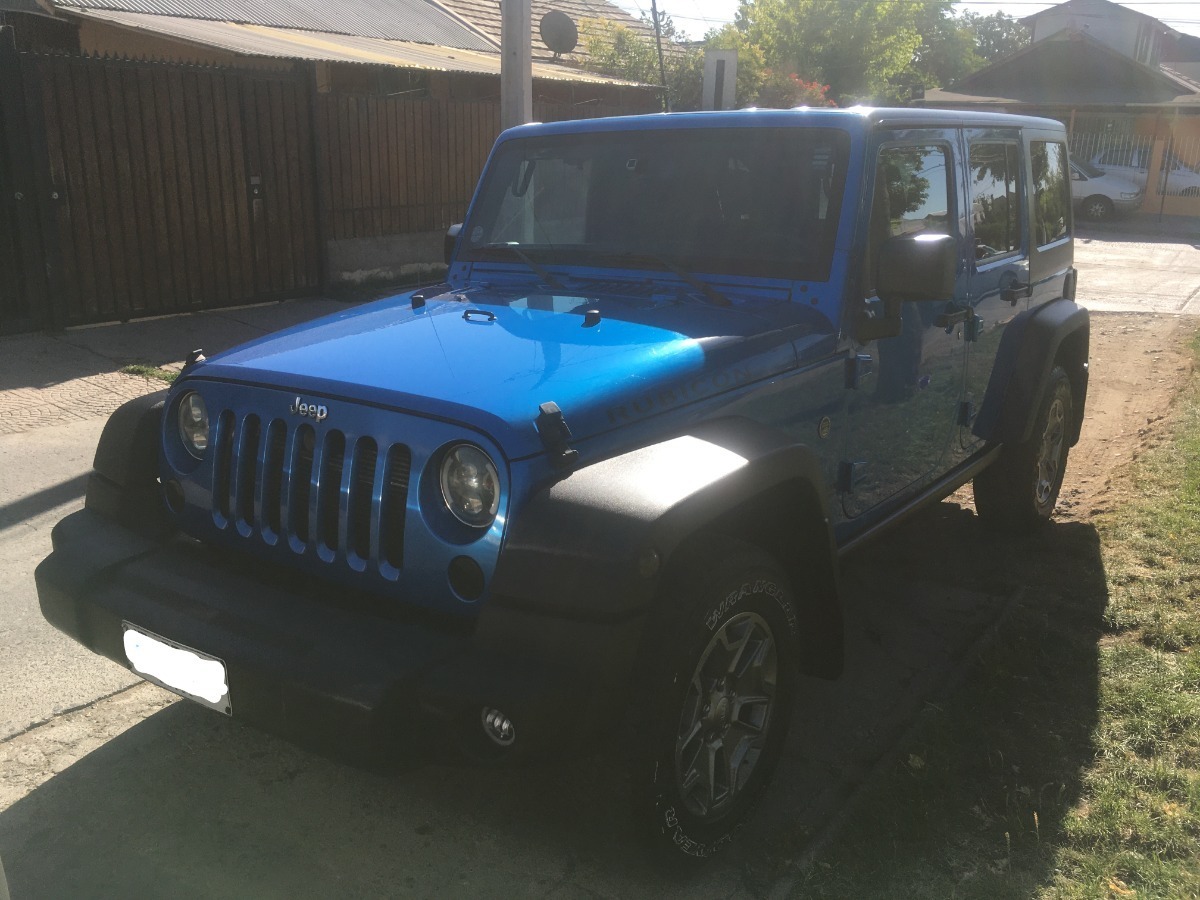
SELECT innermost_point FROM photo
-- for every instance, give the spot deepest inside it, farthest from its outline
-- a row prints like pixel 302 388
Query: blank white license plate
pixel 181 669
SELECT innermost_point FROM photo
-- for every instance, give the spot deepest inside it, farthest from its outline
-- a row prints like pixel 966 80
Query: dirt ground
pixel 1138 362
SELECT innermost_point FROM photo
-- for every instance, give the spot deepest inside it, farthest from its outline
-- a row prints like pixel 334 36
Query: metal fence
pixel 1163 167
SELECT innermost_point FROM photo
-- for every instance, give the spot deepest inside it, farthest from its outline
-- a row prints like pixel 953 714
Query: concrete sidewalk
pixel 73 375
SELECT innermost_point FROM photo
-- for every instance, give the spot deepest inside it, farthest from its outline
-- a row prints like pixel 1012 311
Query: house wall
pixel 1127 33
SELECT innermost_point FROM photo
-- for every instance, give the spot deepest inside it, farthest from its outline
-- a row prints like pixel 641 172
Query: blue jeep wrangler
pixel 596 486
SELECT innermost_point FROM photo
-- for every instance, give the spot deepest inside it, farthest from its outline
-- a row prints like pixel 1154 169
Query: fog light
pixel 466 578
pixel 498 727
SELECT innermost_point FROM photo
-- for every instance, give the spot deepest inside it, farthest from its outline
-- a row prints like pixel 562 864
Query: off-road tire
pixel 723 596
pixel 1018 492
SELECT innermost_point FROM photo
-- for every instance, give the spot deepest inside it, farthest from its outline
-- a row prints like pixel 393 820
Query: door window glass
pixel 1051 191
pixel 911 196
pixel 995 203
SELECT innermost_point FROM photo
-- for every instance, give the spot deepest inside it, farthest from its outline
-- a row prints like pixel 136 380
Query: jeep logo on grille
pixel 313 410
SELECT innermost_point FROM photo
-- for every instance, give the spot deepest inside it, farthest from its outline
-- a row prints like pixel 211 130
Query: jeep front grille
pixel 334 496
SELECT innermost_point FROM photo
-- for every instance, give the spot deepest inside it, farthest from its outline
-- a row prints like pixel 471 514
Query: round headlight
pixel 193 424
pixel 470 485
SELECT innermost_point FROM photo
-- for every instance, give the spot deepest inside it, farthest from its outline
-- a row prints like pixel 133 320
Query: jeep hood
pixel 489 360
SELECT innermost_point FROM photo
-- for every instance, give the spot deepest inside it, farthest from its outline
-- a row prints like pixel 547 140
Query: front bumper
pixel 354 683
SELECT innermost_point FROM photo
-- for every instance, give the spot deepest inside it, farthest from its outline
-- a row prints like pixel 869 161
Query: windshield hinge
pixel 555 435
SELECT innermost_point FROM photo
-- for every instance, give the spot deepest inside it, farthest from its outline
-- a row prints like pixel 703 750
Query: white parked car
pixel 1098 195
pixel 1134 163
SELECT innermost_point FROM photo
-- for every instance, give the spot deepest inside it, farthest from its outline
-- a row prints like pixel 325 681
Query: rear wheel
pixel 1018 492
pixel 712 714
pixel 1097 208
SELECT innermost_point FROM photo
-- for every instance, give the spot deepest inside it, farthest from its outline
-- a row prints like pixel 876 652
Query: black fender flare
pixel 596 545
pixel 1057 332
pixel 123 485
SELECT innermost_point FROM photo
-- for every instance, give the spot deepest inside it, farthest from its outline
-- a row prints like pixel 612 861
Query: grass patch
pixel 1068 764
pixel 166 375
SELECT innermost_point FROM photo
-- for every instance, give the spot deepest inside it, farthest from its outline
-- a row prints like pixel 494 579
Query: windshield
pixel 758 202
pixel 1087 168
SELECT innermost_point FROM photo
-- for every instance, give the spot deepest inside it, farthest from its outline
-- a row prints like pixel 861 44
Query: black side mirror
pixel 451 239
pixel 912 267
pixel 917 267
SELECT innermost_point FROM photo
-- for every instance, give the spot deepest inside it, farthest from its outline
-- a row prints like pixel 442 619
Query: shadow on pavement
pixel 188 803
pixel 40 501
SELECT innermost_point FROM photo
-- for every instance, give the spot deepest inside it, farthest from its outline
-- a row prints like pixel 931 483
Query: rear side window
pixel 995 202
pixel 1051 191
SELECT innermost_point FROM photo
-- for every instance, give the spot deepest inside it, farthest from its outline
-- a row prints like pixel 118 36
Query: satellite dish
pixel 558 32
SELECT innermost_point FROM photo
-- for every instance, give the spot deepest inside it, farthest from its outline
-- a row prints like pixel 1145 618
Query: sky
pixel 695 17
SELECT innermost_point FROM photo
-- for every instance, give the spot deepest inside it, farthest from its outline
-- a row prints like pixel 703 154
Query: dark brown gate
pixel 175 188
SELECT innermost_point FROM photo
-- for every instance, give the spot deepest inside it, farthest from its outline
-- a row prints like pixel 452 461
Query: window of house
pixel 1051 191
pixel 995 203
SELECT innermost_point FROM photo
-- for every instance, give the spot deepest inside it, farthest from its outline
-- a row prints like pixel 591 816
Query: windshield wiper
pixel 707 290
pixel 541 271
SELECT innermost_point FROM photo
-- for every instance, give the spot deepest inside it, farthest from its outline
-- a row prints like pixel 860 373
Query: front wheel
pixel 711 718
pixel 1018 492
pixel 1097 208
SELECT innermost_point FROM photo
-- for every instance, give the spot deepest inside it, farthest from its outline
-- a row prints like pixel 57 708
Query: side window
pixel 911 196
pixel 1051 191
pixel 995 202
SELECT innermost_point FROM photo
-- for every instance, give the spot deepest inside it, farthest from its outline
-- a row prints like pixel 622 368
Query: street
pixel 111 787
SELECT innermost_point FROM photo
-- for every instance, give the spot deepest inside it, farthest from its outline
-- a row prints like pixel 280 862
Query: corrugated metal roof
pixel 485 15
pixel 418 21
pixel 290 43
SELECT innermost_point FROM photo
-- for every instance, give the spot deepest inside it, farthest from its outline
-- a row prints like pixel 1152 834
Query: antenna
pixel 558 32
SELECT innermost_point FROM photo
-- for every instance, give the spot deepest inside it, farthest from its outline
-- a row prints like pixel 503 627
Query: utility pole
pixel 516 63
pixel 662 69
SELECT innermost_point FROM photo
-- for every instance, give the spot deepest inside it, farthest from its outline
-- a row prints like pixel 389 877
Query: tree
pixel 861 50
pixel 948 47
pixel 996 35
pixel 780 91
pixel 622 52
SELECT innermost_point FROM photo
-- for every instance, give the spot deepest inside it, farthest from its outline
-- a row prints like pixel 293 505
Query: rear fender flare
pixel 1056 333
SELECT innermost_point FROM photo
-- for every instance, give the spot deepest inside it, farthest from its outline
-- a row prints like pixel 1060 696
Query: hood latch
pixel 552 429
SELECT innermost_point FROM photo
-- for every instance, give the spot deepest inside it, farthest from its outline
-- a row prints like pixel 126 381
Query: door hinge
pixel 849 474
pixel 973 328
pixel 966 413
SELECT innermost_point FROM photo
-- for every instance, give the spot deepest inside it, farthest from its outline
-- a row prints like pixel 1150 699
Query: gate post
pixel 318 148
pixel 23 183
